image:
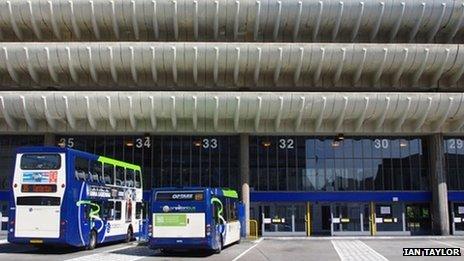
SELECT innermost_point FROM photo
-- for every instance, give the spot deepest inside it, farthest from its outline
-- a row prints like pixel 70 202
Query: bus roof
pixel 38 149
pixel 224 192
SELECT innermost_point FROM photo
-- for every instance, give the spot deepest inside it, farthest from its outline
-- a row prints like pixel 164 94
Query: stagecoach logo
pixel 166 209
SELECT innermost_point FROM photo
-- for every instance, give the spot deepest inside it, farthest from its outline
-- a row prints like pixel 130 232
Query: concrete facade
pixel 240 67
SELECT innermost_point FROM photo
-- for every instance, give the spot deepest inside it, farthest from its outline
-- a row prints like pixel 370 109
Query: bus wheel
pixel 92 240
pixel 129 235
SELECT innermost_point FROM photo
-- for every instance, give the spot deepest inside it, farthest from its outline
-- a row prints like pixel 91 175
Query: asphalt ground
pixel 287 249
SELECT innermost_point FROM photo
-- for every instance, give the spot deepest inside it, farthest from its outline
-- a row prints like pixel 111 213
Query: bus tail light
pixel 63 226
pixel 208 229
pixel 11 229
pixel 150 230
pixel 15 185
pixel 62 185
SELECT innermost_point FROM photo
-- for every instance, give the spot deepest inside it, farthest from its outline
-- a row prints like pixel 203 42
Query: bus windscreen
pixel 40 161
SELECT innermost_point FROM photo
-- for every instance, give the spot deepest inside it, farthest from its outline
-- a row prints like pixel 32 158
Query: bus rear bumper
pixel 179 243
pixel 40 241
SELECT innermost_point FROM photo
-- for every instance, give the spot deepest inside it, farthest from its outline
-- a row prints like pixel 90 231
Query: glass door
pixel 350 219
pixel 389 219
pixel 418 219
pixel 280 219
pixel 457 217
pixel 3 215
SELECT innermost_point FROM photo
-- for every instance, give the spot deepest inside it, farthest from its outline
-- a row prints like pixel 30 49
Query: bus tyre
pixel 129 235
pixel 92 240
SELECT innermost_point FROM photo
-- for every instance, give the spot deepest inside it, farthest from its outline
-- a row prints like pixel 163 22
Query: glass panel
pixel 40 161
pixel 347 216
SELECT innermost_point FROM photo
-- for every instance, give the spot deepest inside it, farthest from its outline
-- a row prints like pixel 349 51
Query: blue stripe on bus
pixel 417 196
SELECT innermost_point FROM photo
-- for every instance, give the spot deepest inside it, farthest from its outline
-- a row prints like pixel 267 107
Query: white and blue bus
pixel 62 196
pixel 193 218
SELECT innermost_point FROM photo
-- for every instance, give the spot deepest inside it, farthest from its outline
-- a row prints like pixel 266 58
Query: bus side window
pixel 81 168
pixel 96 171
pixel 214 210
pixel 119 176
pixel 117 210
pixel 129 177
pixel 138 210
pixel 108 210
pixel 108 173
pixel 138 184
pixel 232 211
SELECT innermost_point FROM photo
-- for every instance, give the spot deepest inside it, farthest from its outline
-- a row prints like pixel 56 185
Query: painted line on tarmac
pixel 448 244
pixel 250 248
pixel 353 250
pixel 109 255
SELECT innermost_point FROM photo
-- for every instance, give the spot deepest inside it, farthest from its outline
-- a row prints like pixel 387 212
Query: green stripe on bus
pixel 118 163
pixel 230 193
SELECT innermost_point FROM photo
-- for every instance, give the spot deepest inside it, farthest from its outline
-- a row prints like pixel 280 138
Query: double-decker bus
pixel 62 196
pixel 193 218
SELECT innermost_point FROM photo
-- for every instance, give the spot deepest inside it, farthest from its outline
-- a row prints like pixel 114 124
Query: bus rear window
pixel 179 196
pixel 40 161
pixel 38 201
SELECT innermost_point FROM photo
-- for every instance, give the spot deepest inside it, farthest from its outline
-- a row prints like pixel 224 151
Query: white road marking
pixel 250 248
pixel 448 244
pixel 112 255
pixel 355 250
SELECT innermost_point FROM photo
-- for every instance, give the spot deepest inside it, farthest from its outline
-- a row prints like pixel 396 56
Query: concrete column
pixel 49 139
pixel 245 177
pixel 440 213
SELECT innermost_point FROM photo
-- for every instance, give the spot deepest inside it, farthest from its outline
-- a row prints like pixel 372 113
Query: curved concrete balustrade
pixel 240 20
pixel 223 66
pixel 231 112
